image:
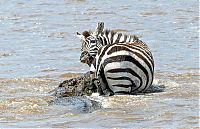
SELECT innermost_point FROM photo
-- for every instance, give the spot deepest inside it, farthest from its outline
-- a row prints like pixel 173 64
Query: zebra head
pixel 89 47
pixel 90 43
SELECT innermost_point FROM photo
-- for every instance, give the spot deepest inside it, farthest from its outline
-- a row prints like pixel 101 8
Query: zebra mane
pixel 113 32
pixel 107 31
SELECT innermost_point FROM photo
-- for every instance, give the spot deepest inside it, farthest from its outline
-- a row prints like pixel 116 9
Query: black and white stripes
pixel 122 64
pixel 111 37
pixel 123 68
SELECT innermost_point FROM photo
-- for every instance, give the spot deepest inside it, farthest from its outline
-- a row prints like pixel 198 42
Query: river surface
pixel 39 49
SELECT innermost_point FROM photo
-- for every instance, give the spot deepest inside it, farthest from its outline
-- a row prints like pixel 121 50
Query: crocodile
pixel 78 86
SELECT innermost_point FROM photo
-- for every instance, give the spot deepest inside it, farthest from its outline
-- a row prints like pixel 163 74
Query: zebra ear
pixel 80 36
pixel 99 28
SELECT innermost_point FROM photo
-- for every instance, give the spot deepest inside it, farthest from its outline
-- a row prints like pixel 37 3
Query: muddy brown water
pixel 38 50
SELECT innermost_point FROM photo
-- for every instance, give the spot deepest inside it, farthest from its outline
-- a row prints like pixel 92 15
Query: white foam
pixel 132 101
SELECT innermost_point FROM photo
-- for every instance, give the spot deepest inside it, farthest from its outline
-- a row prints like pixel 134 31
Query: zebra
pixel 121 66
pixel 102 37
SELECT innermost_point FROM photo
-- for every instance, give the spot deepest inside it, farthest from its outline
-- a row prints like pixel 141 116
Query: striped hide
pixel 123 68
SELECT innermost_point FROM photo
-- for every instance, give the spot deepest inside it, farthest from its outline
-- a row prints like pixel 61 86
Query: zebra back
pixel 123 68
